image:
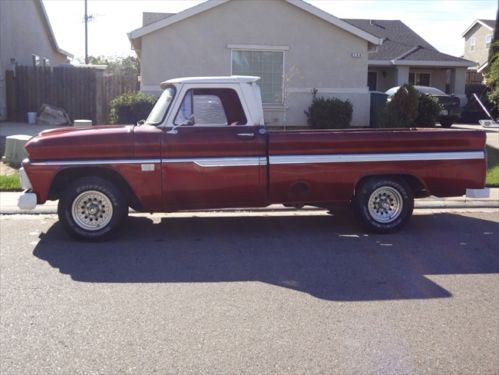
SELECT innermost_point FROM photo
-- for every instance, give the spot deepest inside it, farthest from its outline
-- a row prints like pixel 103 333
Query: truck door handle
pixel 246 135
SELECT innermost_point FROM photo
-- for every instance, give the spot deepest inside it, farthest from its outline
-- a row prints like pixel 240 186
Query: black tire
pixel 446 123
pixel 92 209
pixel 383 205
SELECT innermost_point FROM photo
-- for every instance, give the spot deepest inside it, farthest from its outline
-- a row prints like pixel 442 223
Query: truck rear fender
pixel 65 176
pixel 419 188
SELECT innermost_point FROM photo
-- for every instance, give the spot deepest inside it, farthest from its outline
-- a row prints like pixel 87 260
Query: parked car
pixel 205 146
pixel 451 105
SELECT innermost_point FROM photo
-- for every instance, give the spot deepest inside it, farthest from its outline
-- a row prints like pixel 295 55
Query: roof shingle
pixel 400 42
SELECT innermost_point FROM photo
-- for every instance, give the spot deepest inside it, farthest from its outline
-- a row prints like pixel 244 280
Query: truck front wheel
pixel 92 209
pixel 384 204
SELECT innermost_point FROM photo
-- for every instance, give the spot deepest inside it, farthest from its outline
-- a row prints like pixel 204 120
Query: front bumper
pixel 25 182
pixel 27 200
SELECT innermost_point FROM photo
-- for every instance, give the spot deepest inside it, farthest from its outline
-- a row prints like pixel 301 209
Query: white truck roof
pixel 211 80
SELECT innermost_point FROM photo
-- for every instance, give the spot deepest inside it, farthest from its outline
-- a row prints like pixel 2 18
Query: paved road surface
pixel 263 294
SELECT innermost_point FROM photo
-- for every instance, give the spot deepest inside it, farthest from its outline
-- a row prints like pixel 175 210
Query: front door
pixel 212 159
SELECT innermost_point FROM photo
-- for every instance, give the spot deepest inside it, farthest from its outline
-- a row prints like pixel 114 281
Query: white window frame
pixel 472 43
pixel 262 48
pixel 488 40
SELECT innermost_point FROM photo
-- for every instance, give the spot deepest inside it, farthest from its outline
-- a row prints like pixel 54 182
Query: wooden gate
pixel 84 93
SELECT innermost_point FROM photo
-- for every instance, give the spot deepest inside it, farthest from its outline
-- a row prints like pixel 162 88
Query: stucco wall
pixel 318 54
pixel 481 51
pixel 22 34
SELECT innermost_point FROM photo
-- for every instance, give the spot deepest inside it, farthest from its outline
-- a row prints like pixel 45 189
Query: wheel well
pixel 66 176
pixel 418 187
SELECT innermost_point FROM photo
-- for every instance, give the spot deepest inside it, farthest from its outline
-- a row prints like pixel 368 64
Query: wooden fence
pixel 84 93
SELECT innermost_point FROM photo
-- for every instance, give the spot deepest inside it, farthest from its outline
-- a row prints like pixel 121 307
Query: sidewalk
pixel 8 204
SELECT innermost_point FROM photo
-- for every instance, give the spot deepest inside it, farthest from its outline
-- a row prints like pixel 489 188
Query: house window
pixel 472 43
pixel 420 79
pixel 36 60
pixel 488 40
pixel 211 107
pixel 372 80
pixel 269 65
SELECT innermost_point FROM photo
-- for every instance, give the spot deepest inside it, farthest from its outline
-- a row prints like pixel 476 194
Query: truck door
pixel 212 158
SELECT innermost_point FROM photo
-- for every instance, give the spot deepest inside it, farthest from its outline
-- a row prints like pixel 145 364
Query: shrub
pixel 402 110
pixel 428 110
pixel 329 113
pixel 131 107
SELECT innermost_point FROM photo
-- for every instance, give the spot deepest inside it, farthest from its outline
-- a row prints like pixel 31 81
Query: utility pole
pixel 86 33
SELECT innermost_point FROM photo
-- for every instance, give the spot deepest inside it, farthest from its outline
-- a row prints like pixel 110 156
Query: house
pixel 405 57
pixel 26 38
pixel 294 46
pixel 477 40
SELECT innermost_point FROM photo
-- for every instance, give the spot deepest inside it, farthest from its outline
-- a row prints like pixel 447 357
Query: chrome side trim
pixel 365 158
pixel 279 160
pixel 95 162
pixel 221 162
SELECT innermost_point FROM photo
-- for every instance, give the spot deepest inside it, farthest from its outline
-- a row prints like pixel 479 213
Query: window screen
pixel 269 65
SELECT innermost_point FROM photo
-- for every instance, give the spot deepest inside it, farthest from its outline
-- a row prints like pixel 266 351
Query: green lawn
pixel 10 183
pixel 492 167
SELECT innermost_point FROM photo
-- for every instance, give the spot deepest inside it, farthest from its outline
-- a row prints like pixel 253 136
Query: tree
pixel 118 65
pixel 492 77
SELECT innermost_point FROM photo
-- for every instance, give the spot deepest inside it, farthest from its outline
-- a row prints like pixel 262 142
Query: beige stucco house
pixel 294 46
pixel 477 41
pixel 26 38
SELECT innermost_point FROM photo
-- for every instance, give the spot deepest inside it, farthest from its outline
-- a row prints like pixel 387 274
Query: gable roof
pixel 402 46
pixel 46 23
pixel 210 4
pixel 489 24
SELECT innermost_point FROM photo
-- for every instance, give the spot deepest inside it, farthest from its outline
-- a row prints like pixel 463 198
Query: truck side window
pixel 211 107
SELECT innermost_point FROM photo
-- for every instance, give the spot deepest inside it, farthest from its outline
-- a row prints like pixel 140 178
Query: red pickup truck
pixel 205 146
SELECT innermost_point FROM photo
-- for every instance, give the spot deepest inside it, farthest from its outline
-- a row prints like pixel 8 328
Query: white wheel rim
pixel 92 210
pixel 385 204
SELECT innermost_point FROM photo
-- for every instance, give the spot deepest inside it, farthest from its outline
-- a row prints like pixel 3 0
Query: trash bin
pixel 378 103
pixel 32 118
pixel 81 123
pixel 14 149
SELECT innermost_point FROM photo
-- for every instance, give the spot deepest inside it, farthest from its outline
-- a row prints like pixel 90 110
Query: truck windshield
pixel 158 113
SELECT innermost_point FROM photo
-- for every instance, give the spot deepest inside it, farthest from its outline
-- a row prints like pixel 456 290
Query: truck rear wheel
pixel 92 209
pixel 384 205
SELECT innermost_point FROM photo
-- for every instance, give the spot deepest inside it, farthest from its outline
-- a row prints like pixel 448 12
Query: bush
pixel 402 110
pixel 131 107
pixel 428 110
pixel 326 113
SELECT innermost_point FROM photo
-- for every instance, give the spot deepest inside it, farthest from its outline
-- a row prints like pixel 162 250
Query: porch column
pixel 402 75
pixel 458 84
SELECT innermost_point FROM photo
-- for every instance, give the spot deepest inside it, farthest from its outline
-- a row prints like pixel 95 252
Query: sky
pixel 439 22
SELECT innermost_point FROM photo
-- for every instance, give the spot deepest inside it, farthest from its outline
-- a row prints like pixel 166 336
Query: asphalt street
pixel 252 293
